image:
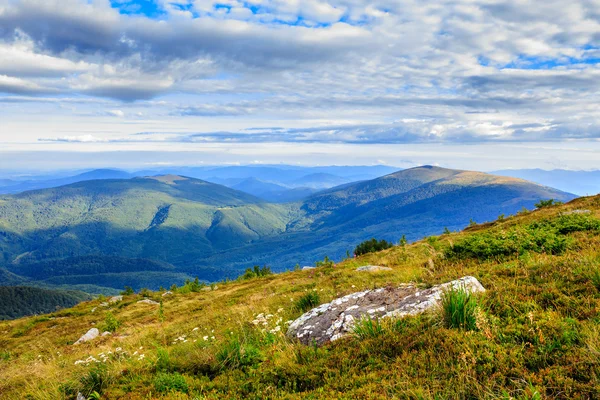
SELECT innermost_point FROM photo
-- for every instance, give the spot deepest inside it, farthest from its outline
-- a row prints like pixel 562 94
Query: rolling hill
pixel 196 228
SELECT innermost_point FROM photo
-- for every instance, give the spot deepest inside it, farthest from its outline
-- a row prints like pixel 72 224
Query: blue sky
pixel 201 80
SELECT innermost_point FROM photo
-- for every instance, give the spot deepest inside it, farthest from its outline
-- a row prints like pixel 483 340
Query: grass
pixel 459 309
pixel 308 301
pixel 534 334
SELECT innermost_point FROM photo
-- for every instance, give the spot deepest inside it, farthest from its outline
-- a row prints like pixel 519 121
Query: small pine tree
pixel 403 241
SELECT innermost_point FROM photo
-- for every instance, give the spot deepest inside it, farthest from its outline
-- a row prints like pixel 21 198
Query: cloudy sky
pixel 480 84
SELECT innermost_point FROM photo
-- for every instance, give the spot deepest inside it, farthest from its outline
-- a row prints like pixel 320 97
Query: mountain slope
pixel 536 333
pixel 166 218
pixel 18 301
pixel 416 202
pixel 213 232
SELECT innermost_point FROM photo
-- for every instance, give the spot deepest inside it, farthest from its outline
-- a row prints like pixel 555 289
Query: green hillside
pixel 18 301
pixel 534 333
pixel 213 232
pixel 169 219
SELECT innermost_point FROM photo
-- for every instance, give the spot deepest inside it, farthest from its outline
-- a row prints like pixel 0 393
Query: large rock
pixel 90 335
pixel 331 321
pixel 148 301
pixel 115 299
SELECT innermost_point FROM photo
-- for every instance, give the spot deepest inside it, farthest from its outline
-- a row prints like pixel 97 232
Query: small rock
pixel 373 268
pixel 105 304
pixel 106 333
pixel 167 293
pixel 577 212
pixel 307 267
pixel 148 301
pixel 331 321
pixel 80 396
pixel 115 299
pixel 90 335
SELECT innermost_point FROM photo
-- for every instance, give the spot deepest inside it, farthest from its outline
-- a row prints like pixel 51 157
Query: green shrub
pixel 368 328
pixel 166 382
pixel 111 324
pixel 308 301
pixel 128 290
pixel 371 246
pixel 547 203
pixel 326 263
pixel 548 236
pixel 256 272
pixel 235 353
pixel 459 309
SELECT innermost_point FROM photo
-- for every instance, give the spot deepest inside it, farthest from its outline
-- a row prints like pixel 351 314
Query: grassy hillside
pixel 536 334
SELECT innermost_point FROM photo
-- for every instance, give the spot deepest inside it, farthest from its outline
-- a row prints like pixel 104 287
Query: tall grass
pixel 308 301
pixel 459 309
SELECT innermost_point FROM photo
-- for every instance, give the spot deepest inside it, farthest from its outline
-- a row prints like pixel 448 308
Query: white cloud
pixel 393 71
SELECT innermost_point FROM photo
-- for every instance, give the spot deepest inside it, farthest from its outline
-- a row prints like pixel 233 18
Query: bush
pixel 459 309
pixel 326 263
pixel 128 290
pixel 371 246
pixel 111 324
pixel 256 272
pixel 308 301
pixel 368 328
pixel 165 382
pixel 548 203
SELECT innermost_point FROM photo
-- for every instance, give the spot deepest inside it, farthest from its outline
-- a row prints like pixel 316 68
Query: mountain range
pixel 583 183
pixel 163 229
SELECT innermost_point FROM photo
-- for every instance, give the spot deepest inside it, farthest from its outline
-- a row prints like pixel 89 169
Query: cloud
pixel 325 71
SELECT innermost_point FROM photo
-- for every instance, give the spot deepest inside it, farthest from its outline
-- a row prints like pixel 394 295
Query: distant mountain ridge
pixel 583 183
pixel 198 228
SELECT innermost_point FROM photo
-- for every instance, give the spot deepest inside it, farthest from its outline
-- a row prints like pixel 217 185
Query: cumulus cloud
pixel 334 71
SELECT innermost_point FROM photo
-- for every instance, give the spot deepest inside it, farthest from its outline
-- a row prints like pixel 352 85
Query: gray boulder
pixel 115 299
pixel 307 268
pixel 373 268
pixel 148 301
pixel 90 335
pixel 331 321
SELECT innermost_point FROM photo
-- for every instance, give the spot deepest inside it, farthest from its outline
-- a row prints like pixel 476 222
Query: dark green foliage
pixel 18 301
pixel 256 272
pixel 166 382
pixel 547 236
pixel 403 241
pixel 371 246
pixel 368 328
pixel 128 290
pixel 547 203
pixel 459 309
pixel 111 324
pixel 308 301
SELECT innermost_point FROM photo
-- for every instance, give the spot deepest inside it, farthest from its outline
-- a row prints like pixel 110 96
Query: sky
pixel 474 84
